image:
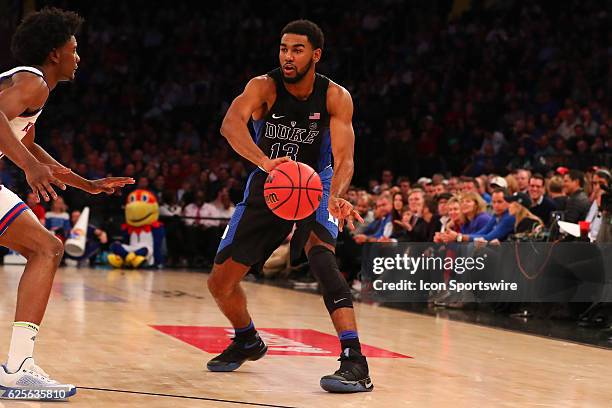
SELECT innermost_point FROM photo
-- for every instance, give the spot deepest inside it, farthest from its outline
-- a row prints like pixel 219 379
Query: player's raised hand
pixel 270 164
pixel 108 185
pixel 40 176
pixel 344 212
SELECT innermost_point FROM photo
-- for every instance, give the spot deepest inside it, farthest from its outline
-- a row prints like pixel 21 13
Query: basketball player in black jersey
pixel 297 115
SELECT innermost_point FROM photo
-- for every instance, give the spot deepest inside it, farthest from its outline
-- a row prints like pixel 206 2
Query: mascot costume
pixel 142 231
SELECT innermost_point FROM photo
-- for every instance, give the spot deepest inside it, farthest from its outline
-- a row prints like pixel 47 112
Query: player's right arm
pixel 27 91
pixel 235 124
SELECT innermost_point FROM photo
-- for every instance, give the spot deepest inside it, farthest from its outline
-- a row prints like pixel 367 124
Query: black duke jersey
pixel 295 128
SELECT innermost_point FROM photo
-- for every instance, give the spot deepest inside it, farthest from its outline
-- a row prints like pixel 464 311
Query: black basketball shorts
pixel 254 231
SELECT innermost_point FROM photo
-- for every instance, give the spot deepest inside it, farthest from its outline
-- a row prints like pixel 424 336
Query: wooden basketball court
pixel 99 335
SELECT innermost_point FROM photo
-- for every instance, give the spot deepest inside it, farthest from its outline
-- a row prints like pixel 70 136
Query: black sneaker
pixel 237 353
pixel 352 375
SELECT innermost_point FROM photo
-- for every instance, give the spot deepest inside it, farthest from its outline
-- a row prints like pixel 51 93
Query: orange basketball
pixel 293 190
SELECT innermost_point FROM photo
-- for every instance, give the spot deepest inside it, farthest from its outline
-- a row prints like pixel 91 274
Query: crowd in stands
pixel 486 209
pixel 467 119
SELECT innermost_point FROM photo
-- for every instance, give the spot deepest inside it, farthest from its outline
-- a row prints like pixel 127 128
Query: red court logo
pixel 281 342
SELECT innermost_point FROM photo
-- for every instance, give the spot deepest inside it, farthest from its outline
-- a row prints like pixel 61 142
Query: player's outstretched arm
pixel 340 108
pixel 105 185
pixel 234 127
pixel 27 91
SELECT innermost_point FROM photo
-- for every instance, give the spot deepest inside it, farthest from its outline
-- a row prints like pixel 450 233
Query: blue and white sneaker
pixel 353 375
pixel 30 382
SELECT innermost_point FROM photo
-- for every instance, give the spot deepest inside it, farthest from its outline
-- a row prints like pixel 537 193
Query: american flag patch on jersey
pixel 315 116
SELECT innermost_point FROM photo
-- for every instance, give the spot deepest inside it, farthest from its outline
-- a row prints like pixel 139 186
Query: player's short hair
pixel 41 32
pixel 307 28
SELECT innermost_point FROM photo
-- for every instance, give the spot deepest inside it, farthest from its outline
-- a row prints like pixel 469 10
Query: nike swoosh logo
pixel 368 384
pixel 339 300
pixel 275 116
pixel 251 344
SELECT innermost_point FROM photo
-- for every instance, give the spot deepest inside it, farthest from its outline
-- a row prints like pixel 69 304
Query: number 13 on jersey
pixel 289 149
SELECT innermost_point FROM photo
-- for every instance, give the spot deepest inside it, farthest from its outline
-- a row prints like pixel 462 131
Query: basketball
pixel 293 190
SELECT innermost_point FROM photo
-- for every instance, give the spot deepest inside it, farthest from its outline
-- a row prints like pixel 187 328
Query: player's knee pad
pixel 336 291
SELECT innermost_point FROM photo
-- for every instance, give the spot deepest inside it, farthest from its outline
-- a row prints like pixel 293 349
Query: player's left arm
pixel 106 185
pixel 340 108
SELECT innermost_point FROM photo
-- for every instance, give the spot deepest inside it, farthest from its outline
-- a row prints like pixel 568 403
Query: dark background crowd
pixel 448 101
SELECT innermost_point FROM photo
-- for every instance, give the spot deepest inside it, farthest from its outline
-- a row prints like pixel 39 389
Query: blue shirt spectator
pixel 376 229
pixel 498 227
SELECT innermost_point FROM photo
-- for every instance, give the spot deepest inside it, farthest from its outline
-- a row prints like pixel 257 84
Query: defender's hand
pixel 40 176
pixel 108 185
pixel 344 212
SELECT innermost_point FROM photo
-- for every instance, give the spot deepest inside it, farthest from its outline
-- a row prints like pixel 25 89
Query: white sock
pixel 22 344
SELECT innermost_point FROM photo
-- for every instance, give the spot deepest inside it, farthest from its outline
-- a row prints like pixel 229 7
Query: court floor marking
pixel 154 394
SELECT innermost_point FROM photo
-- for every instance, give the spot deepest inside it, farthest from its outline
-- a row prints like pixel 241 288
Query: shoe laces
pixel 39 373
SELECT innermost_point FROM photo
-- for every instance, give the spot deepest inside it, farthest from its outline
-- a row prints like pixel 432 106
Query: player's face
pixel 68 60
pixel 296 57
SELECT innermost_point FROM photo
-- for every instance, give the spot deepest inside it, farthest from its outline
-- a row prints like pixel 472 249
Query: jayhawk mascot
pixel 143 232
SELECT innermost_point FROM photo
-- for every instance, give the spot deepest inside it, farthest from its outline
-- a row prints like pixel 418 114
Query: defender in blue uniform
pixel 298 115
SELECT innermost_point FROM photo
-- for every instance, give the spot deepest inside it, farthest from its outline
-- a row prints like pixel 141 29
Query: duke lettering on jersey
pixel 283 132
